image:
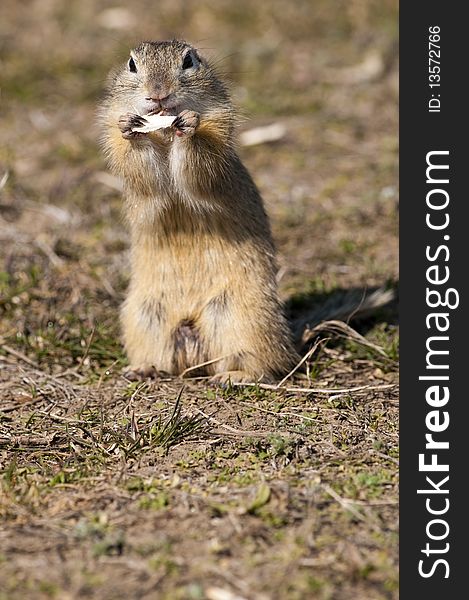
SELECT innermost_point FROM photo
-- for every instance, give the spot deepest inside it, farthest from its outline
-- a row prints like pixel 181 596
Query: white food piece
pixel 155 122
pixel 261 135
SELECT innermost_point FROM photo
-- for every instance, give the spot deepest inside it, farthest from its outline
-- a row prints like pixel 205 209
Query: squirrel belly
pixel 199 297
pixel 203 287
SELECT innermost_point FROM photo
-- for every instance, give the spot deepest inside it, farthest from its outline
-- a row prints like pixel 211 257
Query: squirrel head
pixel 169 76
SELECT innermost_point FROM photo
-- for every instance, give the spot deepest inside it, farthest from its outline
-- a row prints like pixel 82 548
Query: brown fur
pixel 203 269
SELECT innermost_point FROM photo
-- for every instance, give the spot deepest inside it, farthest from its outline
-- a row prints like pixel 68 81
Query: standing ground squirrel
pixel 203 286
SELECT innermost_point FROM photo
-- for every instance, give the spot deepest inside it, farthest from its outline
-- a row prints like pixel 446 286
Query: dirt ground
pixel 175 489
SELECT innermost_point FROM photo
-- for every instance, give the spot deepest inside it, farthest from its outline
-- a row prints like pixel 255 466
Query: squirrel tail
pixel 341 306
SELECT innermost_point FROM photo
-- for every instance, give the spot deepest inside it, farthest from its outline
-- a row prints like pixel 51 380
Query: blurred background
pixel 324 71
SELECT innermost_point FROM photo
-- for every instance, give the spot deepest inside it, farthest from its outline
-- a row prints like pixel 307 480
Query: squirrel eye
pixel 188 61
pixel 132 65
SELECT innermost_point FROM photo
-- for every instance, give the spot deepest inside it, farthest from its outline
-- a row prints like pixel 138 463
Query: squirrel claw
pixel 186 123
pixel 126 124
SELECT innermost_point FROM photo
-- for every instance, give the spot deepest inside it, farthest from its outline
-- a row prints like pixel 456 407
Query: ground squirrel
pixel 203 274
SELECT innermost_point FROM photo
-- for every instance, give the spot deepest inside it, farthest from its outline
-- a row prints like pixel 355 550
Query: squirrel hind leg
pixel 225 378
pixel 238 368
pixel 143 372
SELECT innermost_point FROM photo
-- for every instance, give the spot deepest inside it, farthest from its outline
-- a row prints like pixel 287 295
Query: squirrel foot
pixel 227 377
pixel 186 123
pixel 145 372
pixel 127 122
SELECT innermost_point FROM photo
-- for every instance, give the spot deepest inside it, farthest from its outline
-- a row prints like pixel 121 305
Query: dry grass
pixel 175 489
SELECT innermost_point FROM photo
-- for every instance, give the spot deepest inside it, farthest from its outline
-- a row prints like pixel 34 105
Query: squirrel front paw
pixel 126 124
pixel 186 123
